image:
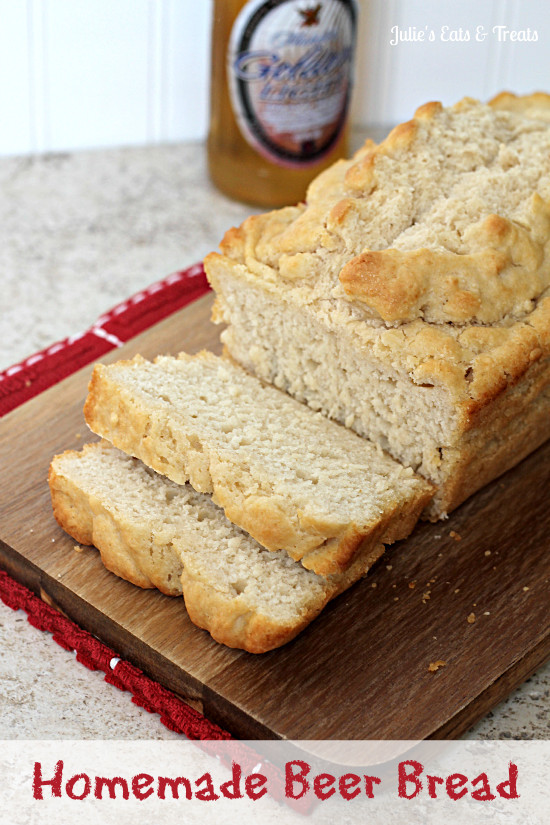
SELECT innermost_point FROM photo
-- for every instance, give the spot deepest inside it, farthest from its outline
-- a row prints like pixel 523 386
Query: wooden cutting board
pixel 472 592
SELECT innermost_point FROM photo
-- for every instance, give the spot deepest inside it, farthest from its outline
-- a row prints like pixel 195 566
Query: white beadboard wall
pixel 90 73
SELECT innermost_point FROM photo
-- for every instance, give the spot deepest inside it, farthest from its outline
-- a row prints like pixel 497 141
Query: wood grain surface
pixel 471 592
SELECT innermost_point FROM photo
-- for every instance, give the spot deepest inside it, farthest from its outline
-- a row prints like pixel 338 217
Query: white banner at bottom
pixel 341 782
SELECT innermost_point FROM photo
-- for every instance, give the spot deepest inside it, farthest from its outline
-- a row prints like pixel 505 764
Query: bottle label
pixel 289 67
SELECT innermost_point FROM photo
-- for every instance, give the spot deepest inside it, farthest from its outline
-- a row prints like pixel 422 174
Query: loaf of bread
pixel 155 533
pixel 408 298
pixel 290 477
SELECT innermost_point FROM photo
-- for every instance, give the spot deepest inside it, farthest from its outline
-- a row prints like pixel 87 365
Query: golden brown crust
pixel 536 104
pixel 505 270
pixel 361 176
pixel 326 548
pixel 70 507
pixel 502 434
pixel 474 363
pixel 89 523
pixel 234 624
pixel 229 619
pixel 483 287
pixel 472 323
pixel 404 524
pixel 231 622
pixel 509 402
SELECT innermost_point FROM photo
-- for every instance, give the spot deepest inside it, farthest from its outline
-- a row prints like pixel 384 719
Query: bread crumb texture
pixel 447 220
pixel 290 477
pixel 155 533
pixel 411 291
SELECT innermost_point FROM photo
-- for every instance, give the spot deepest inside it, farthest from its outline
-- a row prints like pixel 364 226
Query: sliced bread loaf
pixel 153 532
pixel 288 476
pixel 409 297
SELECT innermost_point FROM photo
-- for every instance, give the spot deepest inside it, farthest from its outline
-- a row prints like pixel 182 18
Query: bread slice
pixel 155 533
pixel 409 297
pixel 288 476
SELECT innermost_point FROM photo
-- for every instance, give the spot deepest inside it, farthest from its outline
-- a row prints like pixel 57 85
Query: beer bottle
pixel 280 93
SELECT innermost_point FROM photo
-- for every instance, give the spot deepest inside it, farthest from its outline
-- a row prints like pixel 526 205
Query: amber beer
pixel 280 92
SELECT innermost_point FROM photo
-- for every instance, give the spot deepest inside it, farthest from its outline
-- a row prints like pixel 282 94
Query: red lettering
pixel 509 789
pixel 454 782
pixel 38 782
pixel 173 784
pixel 110 784
pixel 69 787
pixel 141 781
pixel 322 785
pixel 404 777
pixel 206 794
pixel 346 783
pixel 253 786
pixel 369 782
pixel 433 782
pixel 292 776
pixel 232 788
pixel 482 794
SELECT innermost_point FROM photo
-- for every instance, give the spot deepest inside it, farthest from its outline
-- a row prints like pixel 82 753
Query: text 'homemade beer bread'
pixel 409 297
pixel 288 476
pixel 154 532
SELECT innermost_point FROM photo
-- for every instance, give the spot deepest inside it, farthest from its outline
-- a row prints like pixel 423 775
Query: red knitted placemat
pixel 35 374
pixel 93 654
pixel 148 694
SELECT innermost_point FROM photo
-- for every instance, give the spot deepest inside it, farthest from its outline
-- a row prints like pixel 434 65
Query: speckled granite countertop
pixel 78 234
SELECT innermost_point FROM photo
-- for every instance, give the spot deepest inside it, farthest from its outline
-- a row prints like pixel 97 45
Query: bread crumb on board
pixel 471 618
pixel 77 548
pixel 456 536
pixel 433 667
